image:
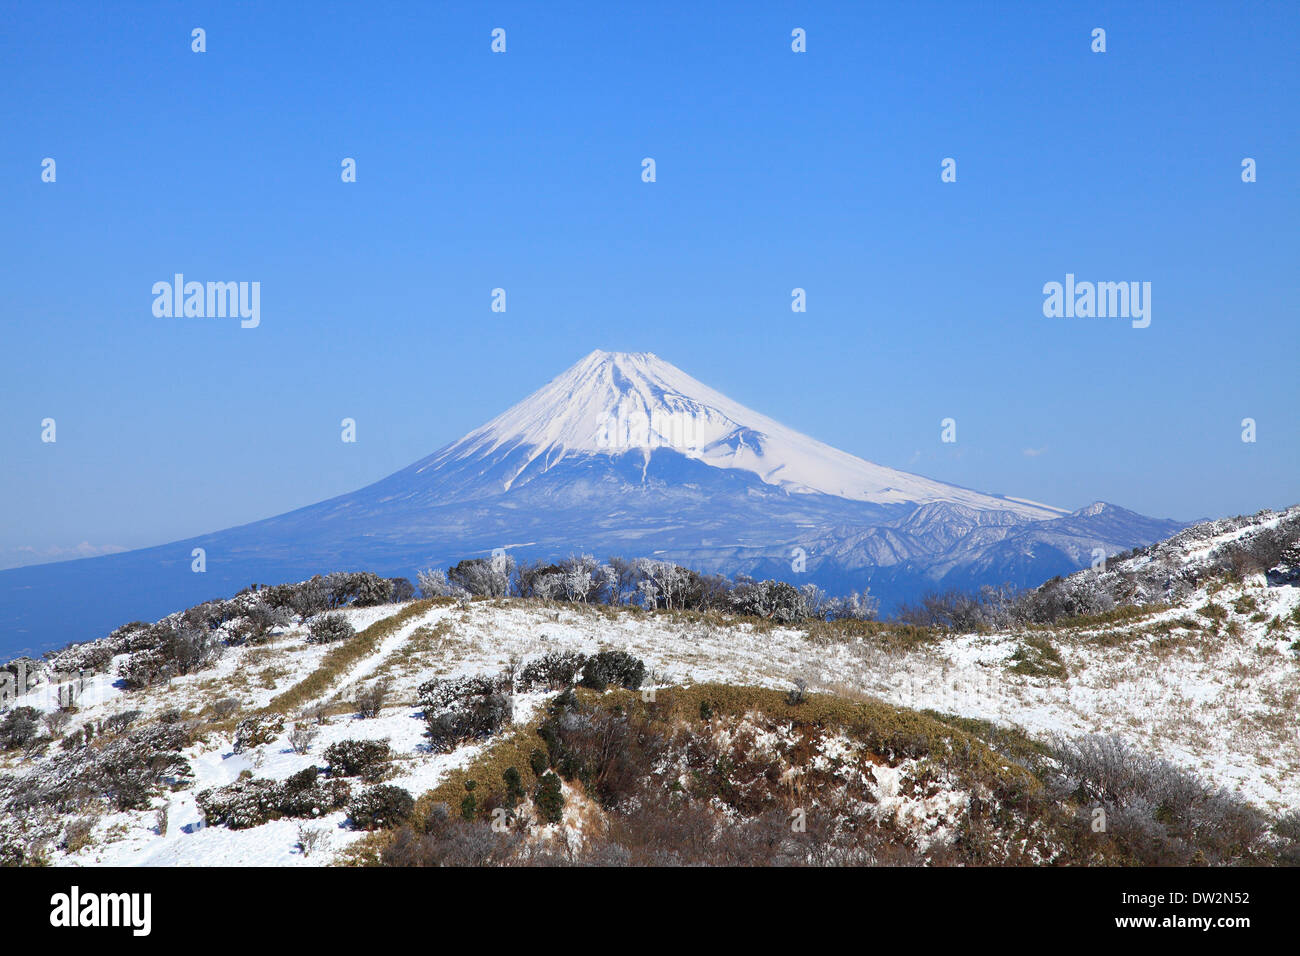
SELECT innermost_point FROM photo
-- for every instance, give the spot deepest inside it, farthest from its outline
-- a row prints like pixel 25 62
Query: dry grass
pixel 339 660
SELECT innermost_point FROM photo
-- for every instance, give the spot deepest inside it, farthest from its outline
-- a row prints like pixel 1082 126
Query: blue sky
pixel 774 170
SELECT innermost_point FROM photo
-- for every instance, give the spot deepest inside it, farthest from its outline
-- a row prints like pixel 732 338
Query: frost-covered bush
pixel 554 670
pixel 434 584
pixel 302 737
pixel 240 805
pixel 775 600
pixel 578 578
pixel 20 727
pixel 225 707
pixel 854 606
pixel 257 730
pixel 481 577
pixel 329 628
pixel 304 794
pixel 361 588
pixel 170 648
pixel 381 807
pixel 309 597
pixel 93 657
pixel 612 667
pixel 464 708
pixel 1074 596
pixel 252 801
pixel 126 770
pixel 1262 550
pixel 368 759
pixel 370 590
pixel 1158 813
pixel 120 722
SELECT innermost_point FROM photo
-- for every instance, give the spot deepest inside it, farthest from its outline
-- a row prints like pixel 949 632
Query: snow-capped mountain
pixel 634 403
pixel 621 454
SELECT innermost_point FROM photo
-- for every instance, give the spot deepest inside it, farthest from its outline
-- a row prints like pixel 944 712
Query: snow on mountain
pixel 621 454
pixel 616 403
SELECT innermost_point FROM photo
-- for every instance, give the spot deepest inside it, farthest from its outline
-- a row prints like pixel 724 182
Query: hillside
pixel 909 742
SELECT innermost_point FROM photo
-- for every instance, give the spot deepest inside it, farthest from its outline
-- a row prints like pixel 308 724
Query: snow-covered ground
pixel 1225 711
pixel 1212 684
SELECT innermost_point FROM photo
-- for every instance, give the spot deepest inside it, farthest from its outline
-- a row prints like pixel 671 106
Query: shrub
pixel 514 787
pixel 224 708
pixel 464 708
pixel 78 834
pixel 554 670
pixel 481 577
pixel 302 737
pixel 795 696
pixel 442 839
pixel 329 628
pixel 401 590
pixel 309 597
pixel 121 722
pixel 55 721
pixel 853 606
pixel 240 805
pixel 368 759
pixel 356 587
pixel 369 701
pixel 370 589
pixel 257 730
pixel 20 727
pixel 599 747
pixel 434 584
pixel 129 769
pixel 381 807
pixel 252 801
pixel 318 713
pixel 1157 813
pixel 538 762
pixel 774 600
pixel 548 797
pixel 612 667
pixel 304 794
pixel 311 839
pixel 170 648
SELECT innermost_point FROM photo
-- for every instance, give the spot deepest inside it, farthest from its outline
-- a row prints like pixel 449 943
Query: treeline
pixel 645 583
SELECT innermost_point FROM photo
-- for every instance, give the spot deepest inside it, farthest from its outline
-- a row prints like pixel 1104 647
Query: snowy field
pixel 1221 706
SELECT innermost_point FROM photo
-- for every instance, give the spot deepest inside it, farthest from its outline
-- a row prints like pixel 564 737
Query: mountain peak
pixel 618 403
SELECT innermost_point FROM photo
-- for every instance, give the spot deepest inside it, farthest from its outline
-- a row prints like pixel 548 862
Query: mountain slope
pixel 621 454
pixel 1201 672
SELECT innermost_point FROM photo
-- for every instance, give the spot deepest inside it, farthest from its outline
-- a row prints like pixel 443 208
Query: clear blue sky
pixel 522 170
